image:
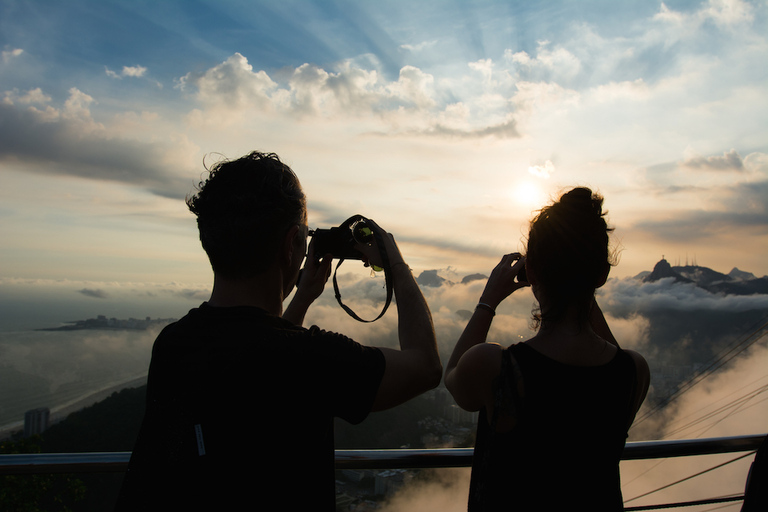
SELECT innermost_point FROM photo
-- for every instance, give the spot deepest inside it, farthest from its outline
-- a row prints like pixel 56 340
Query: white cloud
pixel 558 64
pixel 635 90
pixel 233 83
pixel 485 68
pixel 134 71
pixel 628 295
pixel 544 170
pixel 726 14
pixel 8 55
pixel 77 106
pixel 544 98
pixel 35 95
pixel 419 46
pixel 409 104
pixel 129 71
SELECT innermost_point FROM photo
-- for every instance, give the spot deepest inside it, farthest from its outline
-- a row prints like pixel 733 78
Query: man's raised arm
pixel 416 367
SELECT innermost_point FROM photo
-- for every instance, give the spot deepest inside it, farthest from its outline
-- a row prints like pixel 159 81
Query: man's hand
pixel 314 275
pixel 310 286
pixel 371 252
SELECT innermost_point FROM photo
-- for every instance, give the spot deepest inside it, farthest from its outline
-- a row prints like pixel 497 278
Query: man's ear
pixel 288 244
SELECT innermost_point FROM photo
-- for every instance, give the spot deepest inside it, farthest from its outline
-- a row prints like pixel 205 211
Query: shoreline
pixel 60 412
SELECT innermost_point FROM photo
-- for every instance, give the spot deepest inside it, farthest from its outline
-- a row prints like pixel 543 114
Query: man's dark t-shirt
pixel 240 408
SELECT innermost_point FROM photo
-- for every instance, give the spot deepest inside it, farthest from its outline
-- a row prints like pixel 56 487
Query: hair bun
pixel 582 198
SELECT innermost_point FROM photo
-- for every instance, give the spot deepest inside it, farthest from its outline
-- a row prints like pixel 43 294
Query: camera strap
pixel 387 278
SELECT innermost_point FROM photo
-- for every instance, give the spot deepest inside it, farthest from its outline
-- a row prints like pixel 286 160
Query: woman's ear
pixel 603 276
pixel 530 277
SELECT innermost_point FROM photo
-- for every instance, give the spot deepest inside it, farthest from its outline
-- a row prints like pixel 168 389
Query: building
pixel 36 421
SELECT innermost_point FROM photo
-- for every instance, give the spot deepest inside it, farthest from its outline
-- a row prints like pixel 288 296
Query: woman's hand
pixel 503 280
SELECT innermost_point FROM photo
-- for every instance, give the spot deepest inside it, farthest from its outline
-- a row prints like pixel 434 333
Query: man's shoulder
pixel 207 317
pixel 315 333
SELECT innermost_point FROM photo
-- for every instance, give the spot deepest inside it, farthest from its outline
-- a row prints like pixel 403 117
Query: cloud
pixel 725 14
pixel 629 295
pixel 419 46
pixel 33 96
pixel 547 65
pixel 442 490
pixel 232 83
pixel 96 294
pixel 741 209
pixel 727 403
pixel 128 71
pixel 8 55
pixel 68 141
pixel 544 170
pixel 729 161
pixel 411 105
pixel 634 90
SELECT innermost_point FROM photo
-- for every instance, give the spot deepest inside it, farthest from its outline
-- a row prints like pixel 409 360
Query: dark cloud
pixel 700 225
pixel 505 130
pixel 741 207
pixel 64 146
pixel 192 294
pixel 96 294
pixel 473 277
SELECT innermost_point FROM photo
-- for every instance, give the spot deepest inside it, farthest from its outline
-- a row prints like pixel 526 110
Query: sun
pixel 528 193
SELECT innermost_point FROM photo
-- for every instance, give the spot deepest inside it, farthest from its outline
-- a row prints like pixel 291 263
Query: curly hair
pixel 243 209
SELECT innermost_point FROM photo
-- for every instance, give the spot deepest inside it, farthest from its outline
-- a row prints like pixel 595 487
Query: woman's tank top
pixel 564 451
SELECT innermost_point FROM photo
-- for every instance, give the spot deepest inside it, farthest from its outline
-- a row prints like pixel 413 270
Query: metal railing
pixel 116 462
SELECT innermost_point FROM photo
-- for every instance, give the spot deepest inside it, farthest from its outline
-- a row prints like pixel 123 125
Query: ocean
pixel 67 370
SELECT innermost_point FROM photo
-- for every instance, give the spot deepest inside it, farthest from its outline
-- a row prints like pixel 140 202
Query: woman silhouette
pixel 554 410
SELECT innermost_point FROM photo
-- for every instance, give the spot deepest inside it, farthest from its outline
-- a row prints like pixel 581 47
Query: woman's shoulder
pixel 642 369
pixel 483 359
pixel 471 381
pixel 640 363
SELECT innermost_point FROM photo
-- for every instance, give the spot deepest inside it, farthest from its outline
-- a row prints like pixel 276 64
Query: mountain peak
pixel 663 269
pixel 736 282
pixel 740 275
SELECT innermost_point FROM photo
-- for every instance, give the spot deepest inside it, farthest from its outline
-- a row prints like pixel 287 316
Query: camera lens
pixel 362 233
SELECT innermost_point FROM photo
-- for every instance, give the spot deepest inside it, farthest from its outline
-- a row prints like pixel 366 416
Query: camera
pixel 522 277
pixel 340 241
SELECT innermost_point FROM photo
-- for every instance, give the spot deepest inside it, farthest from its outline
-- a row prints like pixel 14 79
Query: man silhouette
pixel 240 397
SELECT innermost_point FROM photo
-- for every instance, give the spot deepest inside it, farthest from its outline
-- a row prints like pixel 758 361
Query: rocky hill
pixel 736 282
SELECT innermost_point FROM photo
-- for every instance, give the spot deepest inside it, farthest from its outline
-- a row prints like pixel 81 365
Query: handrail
pixel 117 462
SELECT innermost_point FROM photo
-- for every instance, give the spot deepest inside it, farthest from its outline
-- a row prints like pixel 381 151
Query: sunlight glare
pixel 528 194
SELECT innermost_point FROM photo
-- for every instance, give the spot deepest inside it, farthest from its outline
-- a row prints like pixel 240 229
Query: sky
pixel 449 123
